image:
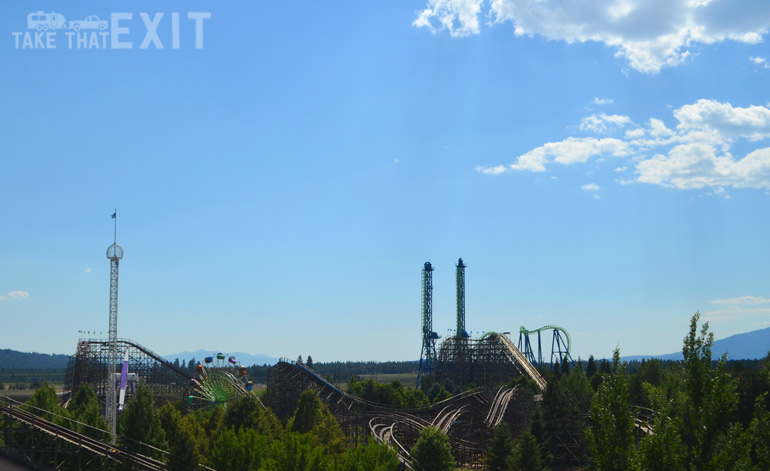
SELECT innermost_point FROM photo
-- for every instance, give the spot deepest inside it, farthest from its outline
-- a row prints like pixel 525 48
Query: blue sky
pixel 601 166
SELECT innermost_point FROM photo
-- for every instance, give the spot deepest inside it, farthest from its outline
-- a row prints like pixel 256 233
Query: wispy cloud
pixel 590 187
pixel 734 309
pixel 87 270
pixel 734 313
pixel 603 101
pixel 695 154
pixel 742 300
pixel 459 17
pixel 569 151
pixel 648 34
pixel 602 123
pixel 760 61
pixel 15 295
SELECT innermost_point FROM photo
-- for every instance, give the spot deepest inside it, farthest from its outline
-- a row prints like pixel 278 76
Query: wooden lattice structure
pixel 468 418
pixel 90 363
pixel 487 361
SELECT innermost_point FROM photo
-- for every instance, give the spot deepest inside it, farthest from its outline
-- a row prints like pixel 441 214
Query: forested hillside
pixel 12 359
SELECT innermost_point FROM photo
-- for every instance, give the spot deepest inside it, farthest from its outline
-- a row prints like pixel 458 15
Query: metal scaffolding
pixel 429 337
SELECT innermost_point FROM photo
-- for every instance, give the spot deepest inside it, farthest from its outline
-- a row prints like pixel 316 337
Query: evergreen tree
pixel 244 411
pixel 710 400
pixel 140 423
pixel 239 449
pixel 312 416
pixel 85 408
pixel 662 450
pixel 44 400
pixel 432 451
pixel 526 454
pixel 309 362
pixel 537 429
pixel 297 452
pixel 370 457
pixel 611 442
pixel 500 449
pixel 590 366
pixel 184 455
pixel 760 433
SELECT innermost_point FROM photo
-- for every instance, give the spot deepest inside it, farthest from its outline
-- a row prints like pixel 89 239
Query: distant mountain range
pixel 752 345
pixel 747 346
pixel 245 359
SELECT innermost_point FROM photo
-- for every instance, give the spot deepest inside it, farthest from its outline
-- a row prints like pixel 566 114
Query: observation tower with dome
pixel 114 254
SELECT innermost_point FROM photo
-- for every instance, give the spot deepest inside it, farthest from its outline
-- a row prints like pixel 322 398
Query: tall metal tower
pixel 114 254
pixel 461 333
pixel 429 337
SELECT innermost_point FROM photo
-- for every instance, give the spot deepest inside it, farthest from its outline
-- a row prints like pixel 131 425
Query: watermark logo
pixel 115 32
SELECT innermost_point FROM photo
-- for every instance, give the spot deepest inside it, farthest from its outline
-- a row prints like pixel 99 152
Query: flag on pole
pixel 114 214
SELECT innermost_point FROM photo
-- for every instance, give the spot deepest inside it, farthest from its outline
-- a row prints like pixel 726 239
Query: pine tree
pixel 662 450
pixel 297 452
pixel 760 432
pixel 370 457
pixel 590 367
pixel 611 442
pixel 710 400
pixel 500 449
pixel 140 423
pixel 85 408
pixel 526 454
pixel 184 456
pixel 312 416
pixel 432 451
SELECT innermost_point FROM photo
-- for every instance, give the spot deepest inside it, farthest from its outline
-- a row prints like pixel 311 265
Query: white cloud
pixel 732 313
pixel 16 295
pixel 460 17
pixel 751 123
pixel 491 170
pixel 568 151
pixel 742 300
pixel 87 270
pixel 603 101
pixel 760 61
pixel 590 187
pixel 695 154
pixel 621 169
pixel 602 123
pixel 649 34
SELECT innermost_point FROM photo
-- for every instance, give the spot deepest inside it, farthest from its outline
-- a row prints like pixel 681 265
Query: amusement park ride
pixel 467 360
pixel 487 362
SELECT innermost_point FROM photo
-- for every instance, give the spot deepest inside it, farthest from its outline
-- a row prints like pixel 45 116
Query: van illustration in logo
pixel 42 21
pixel 91 22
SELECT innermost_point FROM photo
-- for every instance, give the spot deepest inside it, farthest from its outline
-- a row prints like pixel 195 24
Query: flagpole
pixel 115 217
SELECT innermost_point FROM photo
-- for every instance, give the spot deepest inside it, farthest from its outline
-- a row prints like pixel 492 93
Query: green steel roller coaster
pixel 560 346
